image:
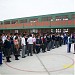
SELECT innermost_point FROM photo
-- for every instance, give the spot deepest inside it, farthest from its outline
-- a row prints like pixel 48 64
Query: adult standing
pixel 30 45
pixel 69 44
pixel 23 44
pixel 74 43
pixel 1 45
pixel 38 44
pixel 43 45
pixel 12 43
pixel 74 48
pixel 7 46
pixel 34 44
pixel 16 48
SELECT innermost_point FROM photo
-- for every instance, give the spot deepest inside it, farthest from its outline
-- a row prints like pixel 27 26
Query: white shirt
pixel 69 41
pixel 3 38
pixel 34 39
pixel 23 42
pixel 14 37
pixel 30 40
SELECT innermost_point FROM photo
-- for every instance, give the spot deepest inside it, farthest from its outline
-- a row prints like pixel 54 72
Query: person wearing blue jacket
pixel 69 44
pixel 38 44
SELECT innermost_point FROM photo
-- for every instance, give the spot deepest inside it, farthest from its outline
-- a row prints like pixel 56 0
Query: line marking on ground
pixel 43 65
pixel 64 67
pixel 68 65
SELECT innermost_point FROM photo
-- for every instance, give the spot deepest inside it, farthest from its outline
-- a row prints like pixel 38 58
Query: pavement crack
pixel 43 65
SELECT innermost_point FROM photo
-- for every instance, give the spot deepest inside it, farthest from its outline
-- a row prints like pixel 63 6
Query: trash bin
pixel 0 58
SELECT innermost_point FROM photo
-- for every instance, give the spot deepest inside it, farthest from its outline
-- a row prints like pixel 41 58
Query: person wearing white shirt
pixel 30 45
pixel 23 44
pixel 3 38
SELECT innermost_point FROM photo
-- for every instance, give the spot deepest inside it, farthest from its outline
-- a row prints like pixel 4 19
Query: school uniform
pixel 30 46
pixel 7 47
pixel 38 45
pixel 69 44
pixel 23 44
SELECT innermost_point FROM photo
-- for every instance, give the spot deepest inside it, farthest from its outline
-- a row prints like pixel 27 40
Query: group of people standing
pixel 32 43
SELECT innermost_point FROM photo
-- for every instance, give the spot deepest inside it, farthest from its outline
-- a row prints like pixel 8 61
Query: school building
pixel 59 23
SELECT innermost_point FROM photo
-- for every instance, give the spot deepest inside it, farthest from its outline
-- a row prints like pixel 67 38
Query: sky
pixel 10 9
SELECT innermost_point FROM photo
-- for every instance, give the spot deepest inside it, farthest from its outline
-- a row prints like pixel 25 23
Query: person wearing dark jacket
pixel 48 42
pixel 1 45
pixel 12 44
pixel 53 41
pixel 7 46
pixel 74 43
pixel 43 45
pixel 38 44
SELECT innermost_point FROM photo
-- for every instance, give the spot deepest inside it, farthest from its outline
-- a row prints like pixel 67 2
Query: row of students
pixel 31 44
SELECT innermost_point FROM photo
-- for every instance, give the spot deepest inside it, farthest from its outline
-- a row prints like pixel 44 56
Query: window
pixel 51 19
pixel 6 22
pixel 65 17
pixel 58 18
pixel 14 21
pixel 51 30
pixel 65 30
pixel 33 20
pixel 16 31
pixel 47 18
pixel 58 30
pixel 73 16
pixel 23 21
pixel 1 23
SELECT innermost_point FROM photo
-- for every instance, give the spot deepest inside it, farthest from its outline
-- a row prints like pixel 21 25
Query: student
pixel 16 48
pixel 38 44
pixel 34 44
pixel 23 44
pixel 74 43
pixel 69 44
pixel 43 45
pixel 7 46
pixel 74 48
pixel 1 45
pixel 30 45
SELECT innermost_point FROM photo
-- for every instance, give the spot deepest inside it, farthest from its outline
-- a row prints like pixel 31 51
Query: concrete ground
pixel 54 62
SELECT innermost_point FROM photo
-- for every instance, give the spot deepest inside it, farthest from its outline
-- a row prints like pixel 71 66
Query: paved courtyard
pixel 54 62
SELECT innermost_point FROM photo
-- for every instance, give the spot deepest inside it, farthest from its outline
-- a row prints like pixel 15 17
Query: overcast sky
pixel 10 9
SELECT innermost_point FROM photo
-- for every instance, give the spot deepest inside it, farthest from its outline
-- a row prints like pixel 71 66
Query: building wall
pixel 47 23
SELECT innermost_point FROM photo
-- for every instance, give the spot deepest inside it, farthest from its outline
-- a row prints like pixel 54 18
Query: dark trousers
pixel 8 59
pixel 74 47
pixel 49 46
pixel 68 47
pixel 43 46
pixel 30 49
pixel 0 57
pixel 34 51
pixel 16 57
pixel 37 49
pixel 12 48
pixel 53 44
